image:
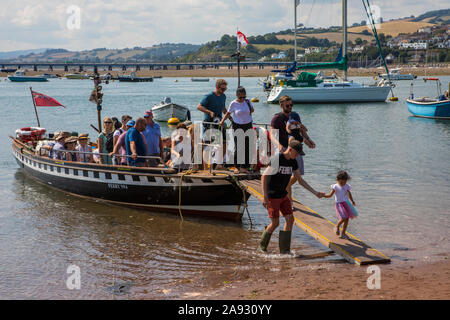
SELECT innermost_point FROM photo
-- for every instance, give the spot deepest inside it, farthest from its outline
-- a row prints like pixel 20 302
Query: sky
pixel 29 24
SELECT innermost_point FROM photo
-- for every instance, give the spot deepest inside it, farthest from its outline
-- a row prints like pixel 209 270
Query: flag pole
pixel 238 59
pixel 35 110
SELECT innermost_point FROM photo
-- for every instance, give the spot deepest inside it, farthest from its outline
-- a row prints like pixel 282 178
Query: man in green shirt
pixel 213 107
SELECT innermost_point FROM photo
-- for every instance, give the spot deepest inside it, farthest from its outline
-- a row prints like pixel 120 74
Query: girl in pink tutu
pixel 344 209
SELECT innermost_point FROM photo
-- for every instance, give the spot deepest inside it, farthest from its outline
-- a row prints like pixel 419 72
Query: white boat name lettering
pixel 117 186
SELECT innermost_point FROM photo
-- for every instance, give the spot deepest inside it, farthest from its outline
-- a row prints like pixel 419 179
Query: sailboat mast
pixel 295 29
pixel 344 30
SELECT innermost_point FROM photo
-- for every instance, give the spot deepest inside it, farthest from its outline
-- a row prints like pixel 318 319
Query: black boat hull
pixel 149 189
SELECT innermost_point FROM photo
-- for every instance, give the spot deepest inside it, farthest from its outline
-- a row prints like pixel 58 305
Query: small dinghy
pixel 426 107
pixel 167 109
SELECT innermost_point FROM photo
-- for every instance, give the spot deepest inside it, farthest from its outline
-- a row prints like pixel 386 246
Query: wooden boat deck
pixel 352 249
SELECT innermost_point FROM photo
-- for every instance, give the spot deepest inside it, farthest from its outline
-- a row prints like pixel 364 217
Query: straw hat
pixel 83 136
pixel 71 139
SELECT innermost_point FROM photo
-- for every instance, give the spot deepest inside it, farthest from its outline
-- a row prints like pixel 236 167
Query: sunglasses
pixel 107 122
pixel 288 105
pixel 223 88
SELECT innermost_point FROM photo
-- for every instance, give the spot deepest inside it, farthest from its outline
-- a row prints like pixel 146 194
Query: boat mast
pixel 296 2
pixel 344 30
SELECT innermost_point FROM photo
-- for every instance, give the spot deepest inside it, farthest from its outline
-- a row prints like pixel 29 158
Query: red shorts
pixel 276 205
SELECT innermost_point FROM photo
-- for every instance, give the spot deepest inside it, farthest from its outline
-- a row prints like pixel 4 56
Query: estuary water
pixel 400 169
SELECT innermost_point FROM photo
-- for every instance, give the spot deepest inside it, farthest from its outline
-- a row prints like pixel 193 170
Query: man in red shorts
pixel 274 181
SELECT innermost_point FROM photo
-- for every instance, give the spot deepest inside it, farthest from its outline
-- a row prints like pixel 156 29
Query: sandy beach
pixel 250 72
pixel 338 280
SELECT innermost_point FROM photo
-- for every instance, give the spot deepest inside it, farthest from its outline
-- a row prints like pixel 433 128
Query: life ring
pixel 30 133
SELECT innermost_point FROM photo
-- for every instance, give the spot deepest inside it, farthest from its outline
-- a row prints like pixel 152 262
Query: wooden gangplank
pixel 321 229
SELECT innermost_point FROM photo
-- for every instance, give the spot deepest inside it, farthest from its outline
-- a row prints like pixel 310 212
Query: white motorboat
pixel 167 109
pixel 394 74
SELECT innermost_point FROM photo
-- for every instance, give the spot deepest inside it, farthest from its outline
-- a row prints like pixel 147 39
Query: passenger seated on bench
pixel 58 149
pixel 70 145
pixel 83 146
pixel 179 148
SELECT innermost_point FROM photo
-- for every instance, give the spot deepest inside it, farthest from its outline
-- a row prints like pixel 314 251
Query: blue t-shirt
pixel 213 103
pixel 134 135
pixel 152 136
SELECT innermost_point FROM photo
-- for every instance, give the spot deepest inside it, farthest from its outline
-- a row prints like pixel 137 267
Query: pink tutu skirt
pixel 345 210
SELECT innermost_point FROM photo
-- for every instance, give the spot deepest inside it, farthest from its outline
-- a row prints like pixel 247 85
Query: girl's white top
pixel 340 193
pixel 240 111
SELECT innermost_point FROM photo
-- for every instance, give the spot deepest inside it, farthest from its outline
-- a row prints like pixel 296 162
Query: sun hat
pixel 83 136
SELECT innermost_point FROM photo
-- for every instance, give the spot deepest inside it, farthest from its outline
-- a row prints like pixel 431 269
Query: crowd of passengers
pixel 139 143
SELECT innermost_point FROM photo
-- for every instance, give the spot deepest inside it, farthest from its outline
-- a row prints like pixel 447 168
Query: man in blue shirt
pixel 213 107
pixel 152 135
pixel 135 145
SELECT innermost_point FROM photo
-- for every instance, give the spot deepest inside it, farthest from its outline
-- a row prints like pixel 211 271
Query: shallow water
pixel 400 178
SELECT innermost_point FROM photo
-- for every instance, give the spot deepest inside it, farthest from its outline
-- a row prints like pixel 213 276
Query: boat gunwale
pixel 218 174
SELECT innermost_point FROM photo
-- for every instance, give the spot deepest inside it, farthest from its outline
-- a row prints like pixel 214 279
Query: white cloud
pixel 129 23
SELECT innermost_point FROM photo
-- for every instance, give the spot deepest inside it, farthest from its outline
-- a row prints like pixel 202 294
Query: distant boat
pixel 49 76
pixel 133 78
pixel 8 70
pixel 199 79
pixel 167 109
pixel 19 76
pixel 395 74
pixel 73 76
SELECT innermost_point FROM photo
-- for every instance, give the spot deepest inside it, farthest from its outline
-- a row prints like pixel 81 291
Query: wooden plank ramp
pixel 321 229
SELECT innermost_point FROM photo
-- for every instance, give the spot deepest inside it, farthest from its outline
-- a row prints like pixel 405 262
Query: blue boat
pixel 19 76
pixel 426 107
pixel 429 108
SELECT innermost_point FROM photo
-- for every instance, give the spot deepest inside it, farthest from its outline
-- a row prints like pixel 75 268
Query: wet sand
pixel 250 72
pixel 339 280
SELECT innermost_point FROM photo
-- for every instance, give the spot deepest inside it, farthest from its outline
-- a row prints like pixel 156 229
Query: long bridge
pixel 82 66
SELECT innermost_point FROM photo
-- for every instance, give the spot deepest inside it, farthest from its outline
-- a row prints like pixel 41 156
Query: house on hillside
pixel 358 49
pixel 424 30
pixel 279 55
pixel 444 45
pixel 312 50
pixel 389 58
pixel 414 45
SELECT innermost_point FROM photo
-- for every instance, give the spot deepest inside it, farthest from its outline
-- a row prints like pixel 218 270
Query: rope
pixel 244 198
pixel 179 192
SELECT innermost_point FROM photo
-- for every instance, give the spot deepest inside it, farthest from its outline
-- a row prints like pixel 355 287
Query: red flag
pixel 242 39
pixel 42 100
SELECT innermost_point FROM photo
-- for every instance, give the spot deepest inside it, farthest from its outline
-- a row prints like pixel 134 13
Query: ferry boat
pixel 19 76
pixel 214 195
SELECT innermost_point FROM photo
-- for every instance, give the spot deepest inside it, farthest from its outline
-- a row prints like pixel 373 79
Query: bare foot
pixel 336 230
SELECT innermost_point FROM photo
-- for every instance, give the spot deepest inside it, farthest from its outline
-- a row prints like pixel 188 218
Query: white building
pixel 424 30
pixel 414 45
pixel 312 50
